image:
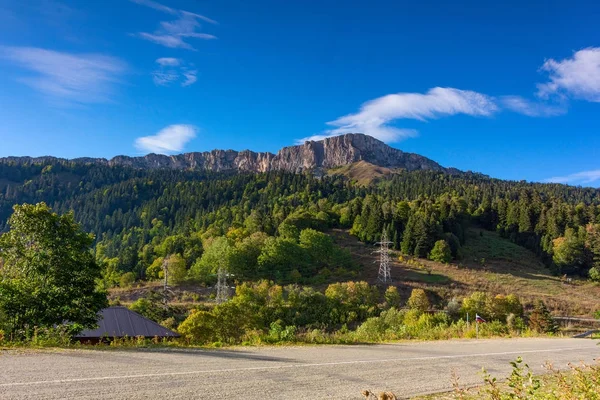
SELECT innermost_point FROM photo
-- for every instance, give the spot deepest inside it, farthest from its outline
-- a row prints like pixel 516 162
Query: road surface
pixel 311 372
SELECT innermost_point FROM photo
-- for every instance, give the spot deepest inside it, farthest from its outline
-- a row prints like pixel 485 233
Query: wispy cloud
pixel 190 78
pixel 175 33
pixel 80 78
pixel 156 6
pixel 169 140
pixel 376 116
pixel 530 108
pixel 173 70
pixel 578 76
pixel 168 62
pixel 584 177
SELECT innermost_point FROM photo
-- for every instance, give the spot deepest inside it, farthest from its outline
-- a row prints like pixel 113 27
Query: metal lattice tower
pixel 385 275
pixel 166 289
pixel 222 288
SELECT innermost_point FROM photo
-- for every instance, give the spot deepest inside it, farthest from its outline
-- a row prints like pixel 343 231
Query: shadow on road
pixel 187 352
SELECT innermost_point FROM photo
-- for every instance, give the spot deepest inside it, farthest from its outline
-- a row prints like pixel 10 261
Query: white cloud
pixel 168 62
pixel 169 140
pixel 164 78
pixel 173 42
pixel 577 77
pixel 375 116
pixel 584 177
pixel 174 70
pixel 523 106
pixel 190 78
pixel 155 5
pixel 82 78
pixel 173 33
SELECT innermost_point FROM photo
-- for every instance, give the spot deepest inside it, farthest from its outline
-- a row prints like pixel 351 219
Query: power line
pixel 385 275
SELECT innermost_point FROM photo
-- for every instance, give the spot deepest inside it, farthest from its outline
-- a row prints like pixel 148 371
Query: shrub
pixel 594 274
pixel 499 307
pixel 453 308
pixel 581 382
pixel 515 323
pixel 392 297
pixel 540 319
pixel 127 280
pixel 389 325
pixel 199 327
pixel 441 252
pixel 476 303
pixel 493 328
pixel 169 323
pixel 418 300
pixel 155 270
pixel 279 333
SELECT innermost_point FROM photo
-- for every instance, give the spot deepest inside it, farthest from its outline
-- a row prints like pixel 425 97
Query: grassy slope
pixel 361 172
pixel 508 268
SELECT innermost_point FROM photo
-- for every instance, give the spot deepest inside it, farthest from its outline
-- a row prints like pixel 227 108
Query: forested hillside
pixel 270 225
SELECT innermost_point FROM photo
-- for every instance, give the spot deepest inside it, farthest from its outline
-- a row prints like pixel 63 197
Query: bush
pixel 127 280
pixel 541 320
pixel 418 300
pixel 515 323
pixel 389 325
pixel 199 327
pixel 441 252
pixel 155 270
pixel 594 274
pixel 579 383
pixel 279 333
pixel 476 303
pixel 453 308
pixel 392 297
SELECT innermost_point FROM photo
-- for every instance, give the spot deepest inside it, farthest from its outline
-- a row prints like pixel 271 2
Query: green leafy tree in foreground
pixel 47 272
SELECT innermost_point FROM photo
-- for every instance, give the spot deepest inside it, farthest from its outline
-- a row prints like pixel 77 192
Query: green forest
pixel 274 225
pixel 84 230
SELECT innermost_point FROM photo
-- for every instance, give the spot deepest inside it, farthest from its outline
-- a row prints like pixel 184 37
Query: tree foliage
pixel 139 216
pixel 540 319
pixel 441 252
pixel 48 273
pixel 418 301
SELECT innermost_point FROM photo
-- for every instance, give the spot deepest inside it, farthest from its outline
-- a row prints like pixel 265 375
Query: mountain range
pixel 312 155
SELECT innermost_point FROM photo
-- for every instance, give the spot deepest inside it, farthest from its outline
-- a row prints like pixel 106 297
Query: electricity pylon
pixel 222 288
pixel 385 275
pixel 166 289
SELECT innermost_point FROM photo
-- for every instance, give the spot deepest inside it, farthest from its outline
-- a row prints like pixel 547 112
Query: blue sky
pixel 510 89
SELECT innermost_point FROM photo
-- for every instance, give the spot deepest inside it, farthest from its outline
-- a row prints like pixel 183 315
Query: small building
pixel 120 322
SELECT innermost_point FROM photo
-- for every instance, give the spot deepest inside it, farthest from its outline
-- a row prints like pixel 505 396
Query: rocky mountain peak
pixel 311 155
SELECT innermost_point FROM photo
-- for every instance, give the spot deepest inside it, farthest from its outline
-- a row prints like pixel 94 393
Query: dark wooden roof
pixel 120 322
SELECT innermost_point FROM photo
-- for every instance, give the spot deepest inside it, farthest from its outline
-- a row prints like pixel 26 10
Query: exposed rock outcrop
pixel 312 155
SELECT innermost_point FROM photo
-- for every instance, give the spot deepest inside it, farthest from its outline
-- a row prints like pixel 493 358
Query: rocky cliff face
pixel 323 154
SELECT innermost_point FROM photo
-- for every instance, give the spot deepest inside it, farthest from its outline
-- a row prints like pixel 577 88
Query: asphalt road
pixel 319 372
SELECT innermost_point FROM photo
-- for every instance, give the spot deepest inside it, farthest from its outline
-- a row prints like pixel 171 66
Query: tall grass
pixel 580 382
